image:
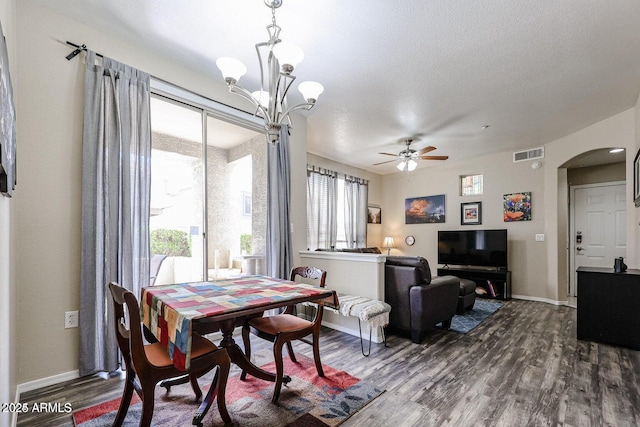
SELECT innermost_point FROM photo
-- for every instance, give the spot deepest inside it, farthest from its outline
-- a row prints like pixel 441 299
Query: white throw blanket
pixel 372 312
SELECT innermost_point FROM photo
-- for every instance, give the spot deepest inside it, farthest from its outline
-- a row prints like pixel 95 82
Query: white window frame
pixel 476 186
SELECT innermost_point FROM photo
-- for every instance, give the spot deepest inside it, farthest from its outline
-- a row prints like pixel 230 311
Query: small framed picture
pixel 374 215
pixel 471 213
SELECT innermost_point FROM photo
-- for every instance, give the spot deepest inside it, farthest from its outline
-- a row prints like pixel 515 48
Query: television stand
pixel 496 283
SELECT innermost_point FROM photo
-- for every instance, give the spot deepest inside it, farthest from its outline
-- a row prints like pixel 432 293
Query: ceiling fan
pixel 408 156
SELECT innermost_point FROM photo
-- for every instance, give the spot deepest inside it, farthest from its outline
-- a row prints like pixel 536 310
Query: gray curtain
pixel 279 247
pixel 115 201
pixel 322 201
pixel 355 211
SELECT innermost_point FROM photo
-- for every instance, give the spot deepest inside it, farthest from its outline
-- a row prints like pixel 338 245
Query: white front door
pixel 598 227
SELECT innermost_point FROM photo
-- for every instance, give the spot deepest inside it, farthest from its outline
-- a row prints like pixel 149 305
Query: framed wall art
pixel 7 124
pixel 517 207
pixel 471 213
pixel 374 215
pixel 425 210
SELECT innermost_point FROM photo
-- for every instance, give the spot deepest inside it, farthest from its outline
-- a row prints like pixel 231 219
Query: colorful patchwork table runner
pixel 169 309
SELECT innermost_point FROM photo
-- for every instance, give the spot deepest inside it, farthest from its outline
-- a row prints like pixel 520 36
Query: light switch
pixel 539 237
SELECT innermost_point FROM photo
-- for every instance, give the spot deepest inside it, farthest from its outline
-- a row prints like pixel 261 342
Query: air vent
pixel 534 153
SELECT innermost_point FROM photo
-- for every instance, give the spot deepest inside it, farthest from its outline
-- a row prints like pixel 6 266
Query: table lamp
pixel 388 243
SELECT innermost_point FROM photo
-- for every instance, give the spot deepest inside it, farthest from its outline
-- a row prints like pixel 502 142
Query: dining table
pixel 172 313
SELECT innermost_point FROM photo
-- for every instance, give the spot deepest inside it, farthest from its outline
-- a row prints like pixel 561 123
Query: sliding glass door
pixel 207 215
pixel 236 199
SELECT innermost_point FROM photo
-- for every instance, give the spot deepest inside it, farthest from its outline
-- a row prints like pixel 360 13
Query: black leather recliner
pixel 418 302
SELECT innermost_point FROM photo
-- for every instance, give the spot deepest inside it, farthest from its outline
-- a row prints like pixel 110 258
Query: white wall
pixel 48 205
pixel 8 362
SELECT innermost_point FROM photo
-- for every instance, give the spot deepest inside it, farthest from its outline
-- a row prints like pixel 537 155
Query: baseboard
pixel 45 382
pixel 376 337
pixel 537 299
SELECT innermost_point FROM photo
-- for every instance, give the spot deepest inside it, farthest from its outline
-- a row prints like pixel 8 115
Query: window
pixel 341 236
pixel 246 204
pixel 336 210
pixel 471 185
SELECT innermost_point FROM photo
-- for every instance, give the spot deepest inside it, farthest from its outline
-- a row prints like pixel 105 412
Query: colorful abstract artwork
pixel 517 207
pixel 425 210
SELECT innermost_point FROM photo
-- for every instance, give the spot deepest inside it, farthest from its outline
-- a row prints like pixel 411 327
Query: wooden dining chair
pixel 147 364
pixel 283 328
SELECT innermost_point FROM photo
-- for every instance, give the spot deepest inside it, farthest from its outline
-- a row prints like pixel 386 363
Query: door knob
pixel 579 248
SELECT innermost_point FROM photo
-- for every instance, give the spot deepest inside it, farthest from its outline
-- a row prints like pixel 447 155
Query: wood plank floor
pixel 521 367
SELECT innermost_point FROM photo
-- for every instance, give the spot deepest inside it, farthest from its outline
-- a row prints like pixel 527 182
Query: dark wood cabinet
pixel 497 283
pixel 608 309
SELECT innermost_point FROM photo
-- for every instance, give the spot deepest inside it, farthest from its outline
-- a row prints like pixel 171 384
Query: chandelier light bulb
pixel 231 68
pixel 401 165
pixel 289 55
pixel 411 165
pixel 310 91
pixel 262 96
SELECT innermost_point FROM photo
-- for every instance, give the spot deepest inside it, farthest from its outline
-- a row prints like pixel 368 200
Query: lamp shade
pixel 310 91
pixel 262 96
pixel 388 243
pixel 288 54
pixel 231 68
pixel 411 165
pixel 401 165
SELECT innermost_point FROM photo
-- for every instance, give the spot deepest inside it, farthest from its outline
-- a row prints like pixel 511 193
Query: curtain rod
pixel 83 48
pixel 79 48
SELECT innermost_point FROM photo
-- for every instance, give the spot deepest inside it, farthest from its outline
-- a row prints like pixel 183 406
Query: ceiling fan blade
pixel 433 157
pixel 382 163
pixel 426 149
pixel 389 154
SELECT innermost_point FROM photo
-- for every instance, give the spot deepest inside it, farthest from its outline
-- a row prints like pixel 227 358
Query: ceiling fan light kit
pixel 410 164
pixel 278 63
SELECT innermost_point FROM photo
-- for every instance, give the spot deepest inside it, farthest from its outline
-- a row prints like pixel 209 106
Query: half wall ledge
pixel 349 273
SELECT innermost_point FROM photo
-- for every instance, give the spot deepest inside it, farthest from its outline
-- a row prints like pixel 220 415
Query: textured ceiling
pixel 439 70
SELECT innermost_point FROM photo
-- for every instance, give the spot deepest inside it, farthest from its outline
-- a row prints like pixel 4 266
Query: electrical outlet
pixel 70 319
pixel 539 237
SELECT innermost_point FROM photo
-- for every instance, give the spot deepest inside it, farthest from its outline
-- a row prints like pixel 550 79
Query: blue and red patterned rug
pixel 307 400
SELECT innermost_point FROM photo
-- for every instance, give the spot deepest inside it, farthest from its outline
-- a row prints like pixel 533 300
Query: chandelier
pixel 281 59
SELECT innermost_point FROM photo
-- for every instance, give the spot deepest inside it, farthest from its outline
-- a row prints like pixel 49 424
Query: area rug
pixel 482 309
pixel 307 400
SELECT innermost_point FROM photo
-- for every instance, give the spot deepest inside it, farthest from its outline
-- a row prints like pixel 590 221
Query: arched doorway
pixel 596 223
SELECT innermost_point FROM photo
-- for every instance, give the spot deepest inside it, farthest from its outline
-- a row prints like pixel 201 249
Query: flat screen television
pixel 481 248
